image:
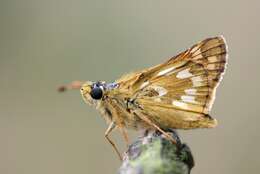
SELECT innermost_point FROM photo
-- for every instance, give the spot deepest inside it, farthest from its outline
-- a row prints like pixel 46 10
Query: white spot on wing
pixel 184 74
pixel 180 104
pixel 163 72
pixel 144 84
pixel 188 99
pixel 197 81
pixel 191 91
pixel 162 91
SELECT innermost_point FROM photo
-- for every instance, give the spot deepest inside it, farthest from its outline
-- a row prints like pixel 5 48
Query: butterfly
pixel 177 94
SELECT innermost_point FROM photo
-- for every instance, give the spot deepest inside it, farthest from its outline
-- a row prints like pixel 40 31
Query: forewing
pixel 185 85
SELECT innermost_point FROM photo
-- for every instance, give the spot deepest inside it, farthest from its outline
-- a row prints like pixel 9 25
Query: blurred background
pixel 44 44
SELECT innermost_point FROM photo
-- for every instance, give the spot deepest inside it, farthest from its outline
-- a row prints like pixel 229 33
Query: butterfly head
pixel 93 92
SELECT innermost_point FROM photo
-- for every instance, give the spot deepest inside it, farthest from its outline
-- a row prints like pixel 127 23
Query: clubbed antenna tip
pixel 72 85
pixel 62 88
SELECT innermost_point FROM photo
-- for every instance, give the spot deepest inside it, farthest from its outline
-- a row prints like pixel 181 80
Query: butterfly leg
pixel 125 135
pixel 117 109
pixel 149 122
pixel 108 131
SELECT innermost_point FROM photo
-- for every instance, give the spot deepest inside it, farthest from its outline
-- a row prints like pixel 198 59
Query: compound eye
pixel 96 93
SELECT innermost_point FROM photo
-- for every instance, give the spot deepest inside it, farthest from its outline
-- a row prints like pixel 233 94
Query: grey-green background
pixel 47 43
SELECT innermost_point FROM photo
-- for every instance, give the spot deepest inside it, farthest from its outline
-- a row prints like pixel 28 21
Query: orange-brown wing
pixel 184 87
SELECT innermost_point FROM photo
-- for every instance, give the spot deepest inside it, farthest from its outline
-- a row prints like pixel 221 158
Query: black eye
pixel 96 93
